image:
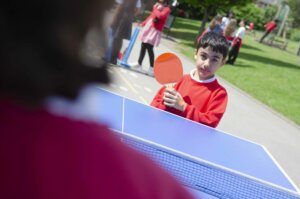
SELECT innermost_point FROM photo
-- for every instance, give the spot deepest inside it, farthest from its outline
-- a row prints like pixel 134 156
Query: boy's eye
pixel 203 57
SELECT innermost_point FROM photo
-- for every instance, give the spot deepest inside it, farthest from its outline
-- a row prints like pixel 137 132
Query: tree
pixel 252 13
pixel 295 7
pixel 210 7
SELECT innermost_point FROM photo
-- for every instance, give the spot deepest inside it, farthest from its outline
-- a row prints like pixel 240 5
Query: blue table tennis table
pixel 210 163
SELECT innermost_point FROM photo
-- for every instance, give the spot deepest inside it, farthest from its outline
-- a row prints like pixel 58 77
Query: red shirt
pixel 46 156
pixel 251 26
pixel 206 102
pixel 161 15
pixel 270 26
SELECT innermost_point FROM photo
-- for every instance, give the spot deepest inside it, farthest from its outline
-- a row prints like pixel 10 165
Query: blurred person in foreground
pixel 46 155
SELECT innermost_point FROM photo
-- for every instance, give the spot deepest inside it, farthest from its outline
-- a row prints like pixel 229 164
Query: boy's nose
pixel 206 64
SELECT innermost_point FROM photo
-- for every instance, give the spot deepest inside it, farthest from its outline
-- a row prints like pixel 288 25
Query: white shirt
pixel 241 32
pixel 138 3
pixel 192 74
pixel 225 22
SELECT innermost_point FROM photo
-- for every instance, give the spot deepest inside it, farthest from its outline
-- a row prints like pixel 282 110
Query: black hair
pixel 40 48
pixel 217 42
pixel 166 2
pixel 230 13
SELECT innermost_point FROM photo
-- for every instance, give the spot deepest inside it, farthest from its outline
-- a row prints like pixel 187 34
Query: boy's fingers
pixel 171 91
pixel 169 100
pixel 168 104
pixel 169 95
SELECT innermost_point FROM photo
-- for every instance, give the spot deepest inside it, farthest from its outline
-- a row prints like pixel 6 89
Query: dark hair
pixel 40 48
pixel 166 2
pixel 230 13
pixel 216 42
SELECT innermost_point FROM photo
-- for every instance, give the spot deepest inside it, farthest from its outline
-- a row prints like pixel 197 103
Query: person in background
pixel 226 19
pixel 237 43
pixel 269 27
pixel 123 18
pixel 45 154
pixel 214 26
pixel 198 96
pixel 151 33
pixel 250 28
pixel 230 30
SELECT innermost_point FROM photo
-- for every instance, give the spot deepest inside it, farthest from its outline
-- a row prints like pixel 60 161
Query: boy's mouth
pixel 204 70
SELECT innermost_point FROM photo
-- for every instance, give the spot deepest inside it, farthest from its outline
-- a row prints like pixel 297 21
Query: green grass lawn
pixel 270 75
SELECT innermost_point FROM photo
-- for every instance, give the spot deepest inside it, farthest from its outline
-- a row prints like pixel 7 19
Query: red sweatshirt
pixel 206 102
pixel 43 156
pixel 270 26
pixel 162 17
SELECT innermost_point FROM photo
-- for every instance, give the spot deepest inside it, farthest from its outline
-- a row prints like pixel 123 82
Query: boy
pixel 199 96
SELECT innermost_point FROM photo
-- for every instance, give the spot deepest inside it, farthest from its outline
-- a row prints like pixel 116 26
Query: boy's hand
pixel 173 99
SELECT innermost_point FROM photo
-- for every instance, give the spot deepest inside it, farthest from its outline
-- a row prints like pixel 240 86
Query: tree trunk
pixel 207 12
pixel 204 20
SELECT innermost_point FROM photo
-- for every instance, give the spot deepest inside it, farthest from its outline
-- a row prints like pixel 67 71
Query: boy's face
pixel 208 62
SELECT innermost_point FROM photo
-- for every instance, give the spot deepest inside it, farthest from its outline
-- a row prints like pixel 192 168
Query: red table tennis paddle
pixel 168 68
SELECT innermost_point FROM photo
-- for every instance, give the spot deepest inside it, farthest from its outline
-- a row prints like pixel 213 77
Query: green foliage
pixel 269 13
pixel 252 13
pixel 295 7
pixel 210 7
pixel 294 34
pixel 225 4
pixel 191 11
pixel 249 13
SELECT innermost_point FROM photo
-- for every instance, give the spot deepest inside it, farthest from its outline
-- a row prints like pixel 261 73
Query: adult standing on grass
pixel 269 27
pixel 152 32
pixel 45 154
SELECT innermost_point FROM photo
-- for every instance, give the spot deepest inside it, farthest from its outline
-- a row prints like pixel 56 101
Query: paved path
pixel 245 117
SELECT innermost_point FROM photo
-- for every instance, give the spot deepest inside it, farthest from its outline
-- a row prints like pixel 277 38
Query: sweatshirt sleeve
pixel 161 14
pixel 158 99
pixel 214 112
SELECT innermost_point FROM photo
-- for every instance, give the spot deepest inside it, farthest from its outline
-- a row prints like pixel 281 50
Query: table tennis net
pixel 208 178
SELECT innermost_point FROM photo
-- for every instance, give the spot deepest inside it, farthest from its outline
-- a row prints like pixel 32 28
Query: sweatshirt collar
pixel 202 81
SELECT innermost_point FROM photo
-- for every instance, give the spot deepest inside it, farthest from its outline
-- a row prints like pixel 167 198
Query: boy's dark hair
pixel 40 48
pixel 216 41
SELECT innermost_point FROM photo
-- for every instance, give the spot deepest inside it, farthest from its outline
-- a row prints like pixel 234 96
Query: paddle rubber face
pixel 168 68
